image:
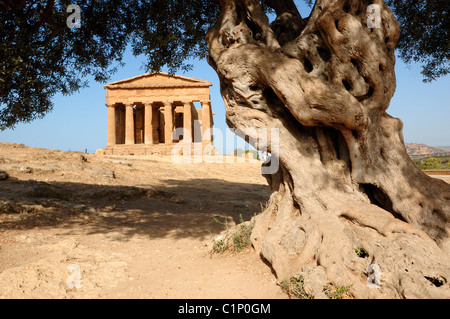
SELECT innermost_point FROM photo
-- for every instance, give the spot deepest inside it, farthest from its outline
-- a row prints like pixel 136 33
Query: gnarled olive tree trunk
pixel 345 181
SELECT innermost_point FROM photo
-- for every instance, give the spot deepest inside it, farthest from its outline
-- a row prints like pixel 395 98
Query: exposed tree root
pixel 345 181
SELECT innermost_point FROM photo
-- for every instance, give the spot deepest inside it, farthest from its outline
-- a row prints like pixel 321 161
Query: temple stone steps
pixel 149 149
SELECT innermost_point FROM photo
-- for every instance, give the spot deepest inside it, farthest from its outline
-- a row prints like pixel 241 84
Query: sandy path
pixel 135 227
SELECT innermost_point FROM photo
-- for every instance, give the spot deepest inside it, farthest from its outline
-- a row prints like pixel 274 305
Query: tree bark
pixel 345 181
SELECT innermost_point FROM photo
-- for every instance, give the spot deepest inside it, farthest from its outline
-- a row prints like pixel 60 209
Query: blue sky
pixel 78 121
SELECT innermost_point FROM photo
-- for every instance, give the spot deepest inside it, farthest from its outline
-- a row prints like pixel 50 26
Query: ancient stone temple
pixel 151 112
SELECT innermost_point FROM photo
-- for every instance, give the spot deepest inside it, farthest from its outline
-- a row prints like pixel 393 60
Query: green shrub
pixel 337 292
pixel 236 238
pixel 295 288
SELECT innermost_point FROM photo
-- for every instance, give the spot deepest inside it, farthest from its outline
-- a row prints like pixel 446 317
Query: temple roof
pixel 157 80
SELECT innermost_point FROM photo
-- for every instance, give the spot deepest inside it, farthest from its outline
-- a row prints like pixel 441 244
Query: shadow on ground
pixel 182 208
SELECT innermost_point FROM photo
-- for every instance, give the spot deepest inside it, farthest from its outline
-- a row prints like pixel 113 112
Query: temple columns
pixel 129 124
pixel 187 122
pixel 141 126
pixel 111 125
pixel 206 122
pixel 168 122
pixel 148 122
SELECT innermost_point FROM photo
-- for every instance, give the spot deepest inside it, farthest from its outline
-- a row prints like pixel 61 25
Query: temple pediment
pixel 157 80
pixel 152 109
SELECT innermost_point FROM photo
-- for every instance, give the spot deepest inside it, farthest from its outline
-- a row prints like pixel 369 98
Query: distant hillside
pixel 422 150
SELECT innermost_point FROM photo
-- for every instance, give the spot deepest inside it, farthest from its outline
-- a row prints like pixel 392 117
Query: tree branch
pixel 289 23
pixel 46 17
pixel 256 15
pixel 283 6
pixel 45 14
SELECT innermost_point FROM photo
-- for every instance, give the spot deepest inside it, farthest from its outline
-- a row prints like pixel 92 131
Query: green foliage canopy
pixel 424 35
pixel 433 162
pixel 40 56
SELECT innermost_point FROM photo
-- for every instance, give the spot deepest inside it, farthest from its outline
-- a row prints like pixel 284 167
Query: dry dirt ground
pixel 137 227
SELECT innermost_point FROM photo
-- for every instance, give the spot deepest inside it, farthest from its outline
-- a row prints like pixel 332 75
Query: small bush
pixel 360 252
pixel 295 288
pixel 235 239
pixel 220 246
pixel 337 292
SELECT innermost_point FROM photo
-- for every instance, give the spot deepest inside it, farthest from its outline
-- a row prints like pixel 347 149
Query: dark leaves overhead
pixel 425 34
pixel 169 32
pixel 40 56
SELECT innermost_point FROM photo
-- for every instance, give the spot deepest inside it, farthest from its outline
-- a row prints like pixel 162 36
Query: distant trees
pixel 241 152
pixel 433 162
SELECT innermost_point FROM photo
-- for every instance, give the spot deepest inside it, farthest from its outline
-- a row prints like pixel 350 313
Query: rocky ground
pixel 135 227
